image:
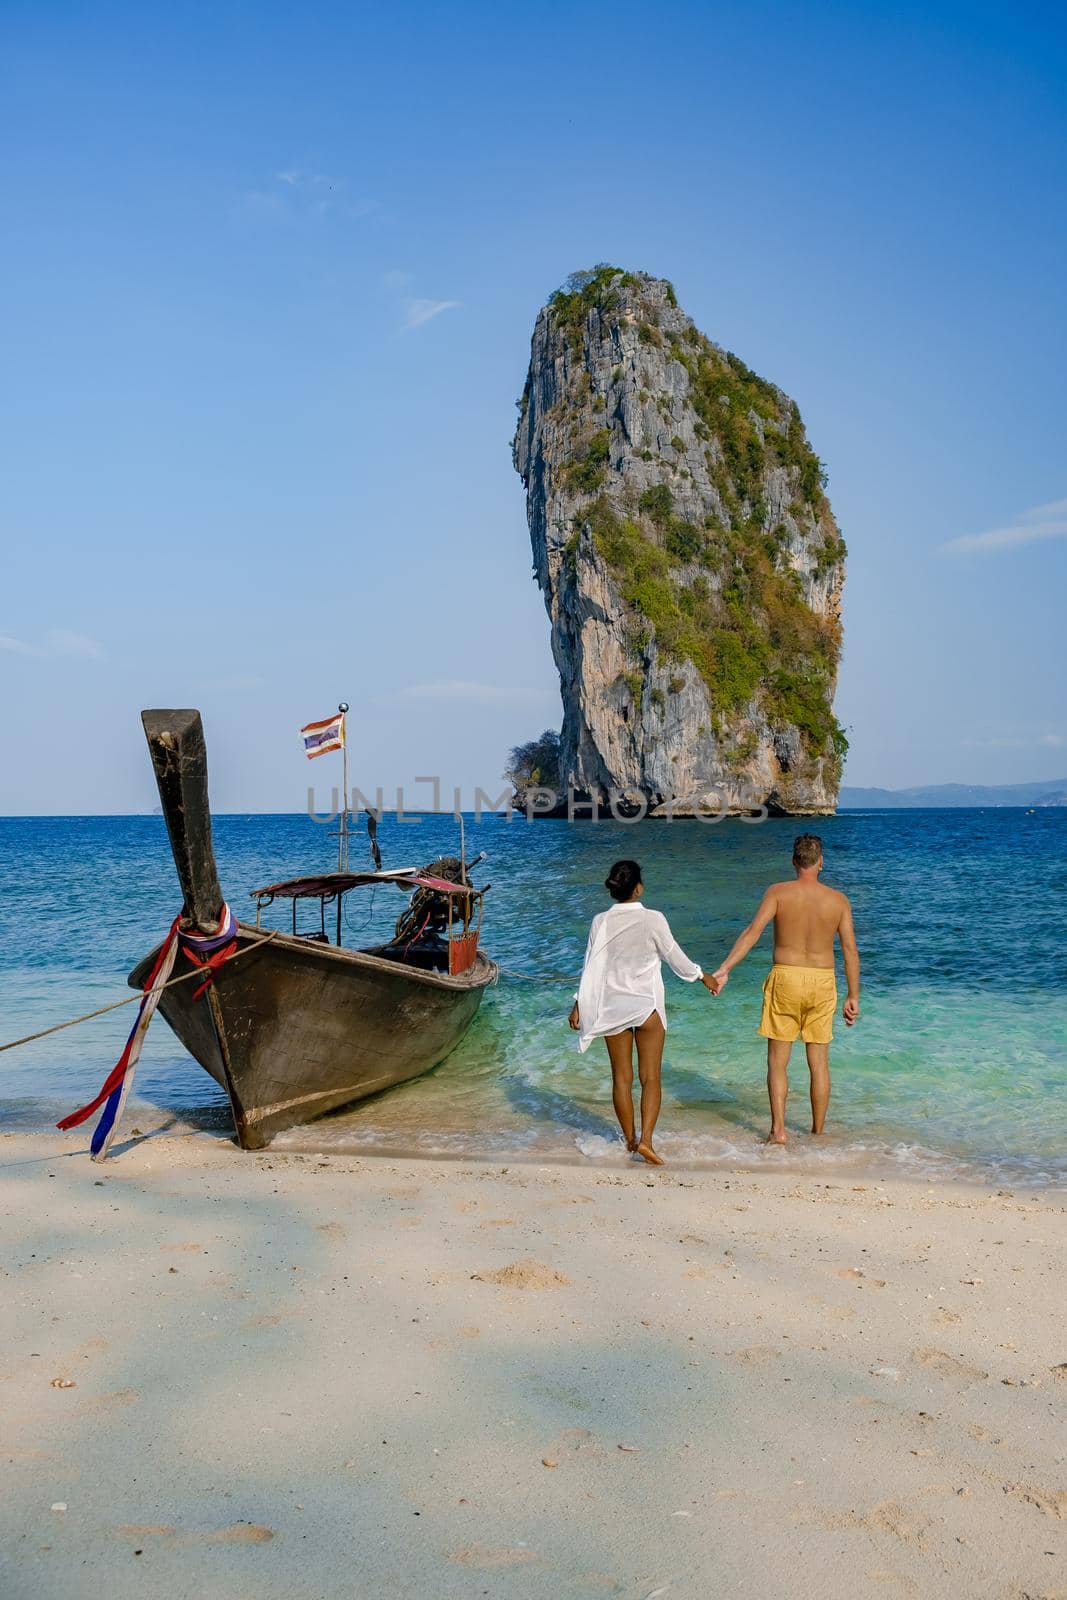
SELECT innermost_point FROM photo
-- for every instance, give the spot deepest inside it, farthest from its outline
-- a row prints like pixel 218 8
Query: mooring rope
pixel 129 1000
pixel 57 1027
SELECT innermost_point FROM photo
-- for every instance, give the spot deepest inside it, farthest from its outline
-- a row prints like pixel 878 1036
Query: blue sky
pixel 268 285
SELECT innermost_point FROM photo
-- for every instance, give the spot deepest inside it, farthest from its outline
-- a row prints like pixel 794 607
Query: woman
pixel 620 998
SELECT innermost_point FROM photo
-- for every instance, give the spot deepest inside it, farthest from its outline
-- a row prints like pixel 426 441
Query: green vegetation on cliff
pixel 751 630
pixel 586 474
pixel 535 763
pixel 745 625
pixel 582 291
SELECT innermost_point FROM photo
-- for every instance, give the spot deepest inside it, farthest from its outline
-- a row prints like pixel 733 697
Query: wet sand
pixel 247 1376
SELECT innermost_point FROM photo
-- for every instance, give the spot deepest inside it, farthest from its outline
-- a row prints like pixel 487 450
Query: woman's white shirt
pixel 622 983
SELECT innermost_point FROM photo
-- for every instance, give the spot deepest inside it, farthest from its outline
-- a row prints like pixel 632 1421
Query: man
pixel 800 994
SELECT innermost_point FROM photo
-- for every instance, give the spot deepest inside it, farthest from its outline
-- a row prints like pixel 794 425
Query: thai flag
pixel 321 737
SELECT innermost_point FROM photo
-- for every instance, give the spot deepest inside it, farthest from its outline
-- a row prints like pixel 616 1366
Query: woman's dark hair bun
pixel 623 879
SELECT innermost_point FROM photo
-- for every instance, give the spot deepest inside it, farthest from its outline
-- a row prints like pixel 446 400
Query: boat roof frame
pixel 327 886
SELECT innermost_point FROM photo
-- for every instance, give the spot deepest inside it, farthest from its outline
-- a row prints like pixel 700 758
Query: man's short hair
pixel 807 850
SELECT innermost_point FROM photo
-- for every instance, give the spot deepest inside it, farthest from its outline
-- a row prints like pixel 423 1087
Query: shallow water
pixel 956 1065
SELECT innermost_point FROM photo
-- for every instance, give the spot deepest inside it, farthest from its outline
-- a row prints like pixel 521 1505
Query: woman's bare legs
pixel 649 1038
pixel 621 1054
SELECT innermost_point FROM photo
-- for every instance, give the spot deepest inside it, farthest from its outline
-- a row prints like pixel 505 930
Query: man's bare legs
pixel 621 1054
pixel 819 1067
pixel 778 1052
pixel 649 1036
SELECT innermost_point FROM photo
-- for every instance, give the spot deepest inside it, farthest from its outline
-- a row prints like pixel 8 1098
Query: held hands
pixel 850 1011
pixel 716 981
pixel 574 1021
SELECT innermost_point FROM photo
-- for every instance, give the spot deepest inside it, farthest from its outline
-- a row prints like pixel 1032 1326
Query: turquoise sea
pixel 955 1068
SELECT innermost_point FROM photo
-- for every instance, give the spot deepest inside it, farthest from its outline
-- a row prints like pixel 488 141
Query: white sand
pixel 311 1377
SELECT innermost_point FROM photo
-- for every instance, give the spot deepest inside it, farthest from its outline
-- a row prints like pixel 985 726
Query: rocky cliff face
pixel 688 557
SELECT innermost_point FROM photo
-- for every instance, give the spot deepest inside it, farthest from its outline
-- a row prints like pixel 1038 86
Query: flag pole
pixel 342 839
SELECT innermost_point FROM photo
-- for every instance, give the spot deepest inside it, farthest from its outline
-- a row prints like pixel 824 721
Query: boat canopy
pixel 327 885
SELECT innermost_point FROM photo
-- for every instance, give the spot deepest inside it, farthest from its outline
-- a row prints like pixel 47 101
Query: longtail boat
pixel 293 1025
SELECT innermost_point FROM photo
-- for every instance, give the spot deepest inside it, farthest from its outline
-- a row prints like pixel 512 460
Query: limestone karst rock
pixel 688 557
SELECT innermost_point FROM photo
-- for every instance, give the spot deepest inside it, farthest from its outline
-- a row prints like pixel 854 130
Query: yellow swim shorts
pixel 799 1002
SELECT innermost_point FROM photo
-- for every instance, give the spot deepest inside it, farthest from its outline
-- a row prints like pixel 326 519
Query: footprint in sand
pixel 484 1556
pixel 757 1355
pixel 100 1404
pixel 947 1366
pixel 236 1533
pixel 839 1313
pixel 982 1435
pixel 889 1516
pixel 527 1274
pixel 1053 1502
pixel 240 1533
pixel 576 1442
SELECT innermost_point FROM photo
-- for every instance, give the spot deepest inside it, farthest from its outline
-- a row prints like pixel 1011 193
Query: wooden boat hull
pixel 294 1029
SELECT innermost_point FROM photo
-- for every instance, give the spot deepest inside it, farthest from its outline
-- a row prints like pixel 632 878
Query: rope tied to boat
pixel 208 953
pixel 212 951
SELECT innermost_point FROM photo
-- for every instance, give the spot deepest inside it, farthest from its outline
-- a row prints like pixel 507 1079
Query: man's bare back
pixel 807 918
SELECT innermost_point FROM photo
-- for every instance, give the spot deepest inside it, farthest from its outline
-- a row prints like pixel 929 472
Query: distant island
pixel 1052 792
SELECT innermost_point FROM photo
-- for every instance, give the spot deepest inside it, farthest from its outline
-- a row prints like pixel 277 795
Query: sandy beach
pixel 253 1376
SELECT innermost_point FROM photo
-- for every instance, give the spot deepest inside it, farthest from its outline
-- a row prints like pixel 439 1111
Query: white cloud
pixel 61 642
pixel 295 193
pixel 308 182
pixel 1030 527
pixel 16 646
pixel 459 691
pixel 56 642
pixel 1040 741
pixel 418 312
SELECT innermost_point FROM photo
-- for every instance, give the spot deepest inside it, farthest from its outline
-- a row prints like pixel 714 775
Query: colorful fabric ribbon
pixel 211 951
pixel 206 951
